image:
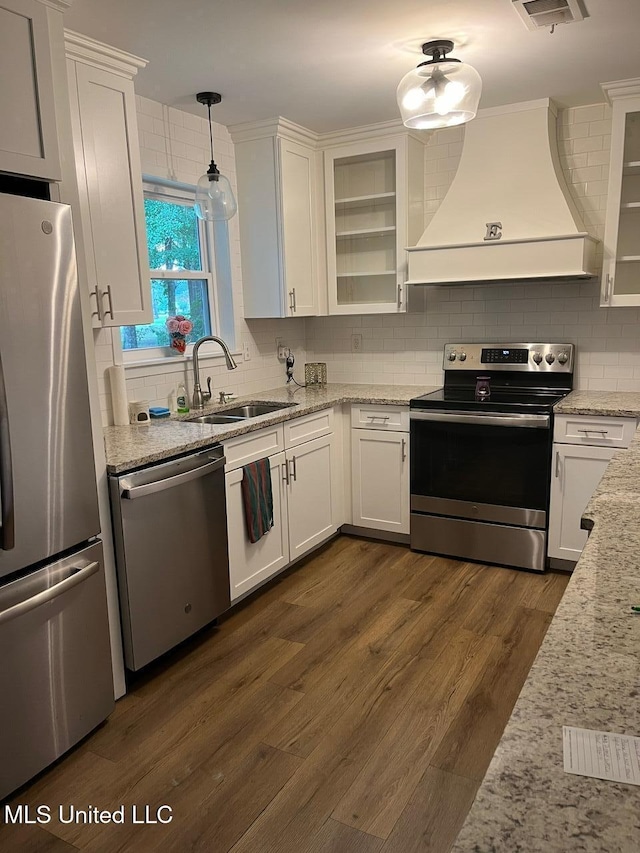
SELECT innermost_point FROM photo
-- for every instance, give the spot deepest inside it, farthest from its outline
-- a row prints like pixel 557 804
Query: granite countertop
pixel 130 447
pixel 586 674
pixel 624 404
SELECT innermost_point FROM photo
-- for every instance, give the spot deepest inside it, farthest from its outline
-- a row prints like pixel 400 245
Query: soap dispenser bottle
pixel 182 401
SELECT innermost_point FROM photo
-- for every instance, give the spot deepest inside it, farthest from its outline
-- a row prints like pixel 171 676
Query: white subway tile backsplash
pixel 405 349
pixel 591 113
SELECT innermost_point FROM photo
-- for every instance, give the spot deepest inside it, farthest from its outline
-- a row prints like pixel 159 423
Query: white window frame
pixel 181 194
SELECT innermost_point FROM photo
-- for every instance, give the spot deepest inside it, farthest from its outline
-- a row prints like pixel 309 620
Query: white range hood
pixel 508 215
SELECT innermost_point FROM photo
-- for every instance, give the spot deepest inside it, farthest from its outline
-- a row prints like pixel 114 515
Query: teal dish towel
pixel 257 498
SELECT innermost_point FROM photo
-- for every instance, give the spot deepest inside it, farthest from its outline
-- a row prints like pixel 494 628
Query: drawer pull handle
pixel 599 431
pixel 404 449
pixel 557 463
pixel 379 417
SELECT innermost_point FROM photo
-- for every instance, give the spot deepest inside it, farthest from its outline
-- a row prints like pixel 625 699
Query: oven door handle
pixel 516 420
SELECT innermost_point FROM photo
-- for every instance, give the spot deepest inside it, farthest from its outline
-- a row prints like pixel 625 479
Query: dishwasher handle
pixel 130 493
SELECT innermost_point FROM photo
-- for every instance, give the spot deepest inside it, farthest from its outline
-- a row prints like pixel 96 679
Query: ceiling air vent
pixel 541 14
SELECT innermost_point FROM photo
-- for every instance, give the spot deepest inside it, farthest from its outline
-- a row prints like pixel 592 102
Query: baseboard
pixel 369 533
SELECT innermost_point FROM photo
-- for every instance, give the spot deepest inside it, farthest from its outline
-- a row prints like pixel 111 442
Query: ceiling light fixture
pixel 440 92
pixel 215 201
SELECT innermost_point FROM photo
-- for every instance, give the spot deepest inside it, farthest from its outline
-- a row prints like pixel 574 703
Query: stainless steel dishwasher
pixel 170 529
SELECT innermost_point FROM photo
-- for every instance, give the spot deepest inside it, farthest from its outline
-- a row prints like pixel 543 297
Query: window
pixel 181 279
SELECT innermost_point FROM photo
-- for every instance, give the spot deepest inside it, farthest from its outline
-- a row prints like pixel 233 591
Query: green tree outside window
pixel 173 244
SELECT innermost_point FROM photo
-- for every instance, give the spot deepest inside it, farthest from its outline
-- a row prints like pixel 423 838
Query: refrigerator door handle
pixel 22 607
pixel 7 528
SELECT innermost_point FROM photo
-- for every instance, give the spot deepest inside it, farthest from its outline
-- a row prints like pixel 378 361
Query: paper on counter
pixel 602 755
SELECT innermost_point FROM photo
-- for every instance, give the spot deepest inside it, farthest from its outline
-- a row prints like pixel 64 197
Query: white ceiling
pixel 331 64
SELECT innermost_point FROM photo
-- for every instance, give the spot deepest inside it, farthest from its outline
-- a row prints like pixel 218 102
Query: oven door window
pixel 500 465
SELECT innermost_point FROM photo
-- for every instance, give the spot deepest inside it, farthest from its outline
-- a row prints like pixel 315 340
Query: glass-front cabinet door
pixel 621 263
pixel 373 214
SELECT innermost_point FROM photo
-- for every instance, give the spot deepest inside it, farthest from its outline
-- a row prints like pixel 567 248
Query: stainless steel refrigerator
pixel 55 661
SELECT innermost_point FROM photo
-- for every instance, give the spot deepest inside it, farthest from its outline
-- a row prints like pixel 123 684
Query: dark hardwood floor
pixel 352 706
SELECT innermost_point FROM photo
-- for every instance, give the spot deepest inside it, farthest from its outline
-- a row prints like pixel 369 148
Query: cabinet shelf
pixel 366 232
pixel 364 274
pixel 365 200
pixel 631 167
pixel 630 205
pixel 628 259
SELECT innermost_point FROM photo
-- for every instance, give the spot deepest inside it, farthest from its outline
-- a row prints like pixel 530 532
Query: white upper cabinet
pixel 28 133
pixel 621 267
pixel 374 191
pixel 107 156
pixel 278 208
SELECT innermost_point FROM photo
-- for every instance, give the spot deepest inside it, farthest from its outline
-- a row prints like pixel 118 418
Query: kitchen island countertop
pixel 586 674
pixel 129 447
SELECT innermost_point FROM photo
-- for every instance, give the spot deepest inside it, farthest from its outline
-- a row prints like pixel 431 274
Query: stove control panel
pixel 556 358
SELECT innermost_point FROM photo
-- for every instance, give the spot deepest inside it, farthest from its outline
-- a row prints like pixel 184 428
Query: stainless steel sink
pixel 215 419
pixel 254 410
pixel 240 413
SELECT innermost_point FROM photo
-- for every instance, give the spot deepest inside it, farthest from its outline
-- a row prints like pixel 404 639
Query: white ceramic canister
pixel 139 412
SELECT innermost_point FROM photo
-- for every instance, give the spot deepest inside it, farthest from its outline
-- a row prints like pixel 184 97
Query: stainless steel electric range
pixel 481 453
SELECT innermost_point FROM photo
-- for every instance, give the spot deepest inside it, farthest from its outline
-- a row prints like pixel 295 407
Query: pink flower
pixel 172 324
pixel 185 326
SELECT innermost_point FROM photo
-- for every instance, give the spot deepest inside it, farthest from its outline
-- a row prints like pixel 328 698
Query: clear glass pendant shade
pixel 215 200
pixel 439 94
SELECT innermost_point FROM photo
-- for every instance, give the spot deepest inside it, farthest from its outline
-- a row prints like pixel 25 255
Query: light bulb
pixel 414 98
pixel 449 98
pixel 215 200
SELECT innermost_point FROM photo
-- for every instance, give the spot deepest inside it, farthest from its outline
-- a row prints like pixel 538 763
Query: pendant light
pixel 215 201
pixel 440 92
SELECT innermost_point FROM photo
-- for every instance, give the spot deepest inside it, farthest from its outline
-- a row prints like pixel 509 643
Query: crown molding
pixel 282 127
pixel 91 52
pixel 60 5
pixel 621 89
pixel 379 130
pixel 270 127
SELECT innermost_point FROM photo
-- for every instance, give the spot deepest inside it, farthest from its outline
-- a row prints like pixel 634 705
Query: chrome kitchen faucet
pixel 201 397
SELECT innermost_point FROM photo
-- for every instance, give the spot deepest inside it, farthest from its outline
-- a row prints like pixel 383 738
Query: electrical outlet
pixel 246 351
pixel 283 349
pixel 356 343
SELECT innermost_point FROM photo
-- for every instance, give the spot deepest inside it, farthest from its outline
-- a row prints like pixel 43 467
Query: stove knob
pixel 563 357
pixel 451 355
pixel 537 357
pixel 462 356
pixel 549 358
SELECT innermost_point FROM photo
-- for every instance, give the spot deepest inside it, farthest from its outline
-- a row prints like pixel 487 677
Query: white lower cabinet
pixel 310 495
pixel 304 488
pixel 380 477
pixel 577 470
pixel 583 447
pixel 380 467
pixel 252 564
